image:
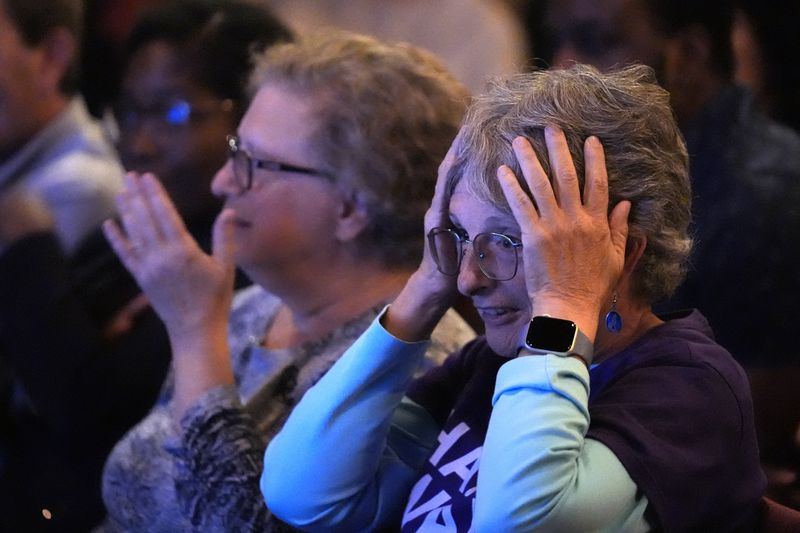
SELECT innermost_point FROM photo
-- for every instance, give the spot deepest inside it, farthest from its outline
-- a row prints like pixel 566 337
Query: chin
pixel 504 342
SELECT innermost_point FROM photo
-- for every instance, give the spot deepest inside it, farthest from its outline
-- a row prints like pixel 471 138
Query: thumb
pixel 222 247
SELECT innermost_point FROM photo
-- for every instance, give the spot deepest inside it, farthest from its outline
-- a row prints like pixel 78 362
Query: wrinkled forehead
pixel 478 215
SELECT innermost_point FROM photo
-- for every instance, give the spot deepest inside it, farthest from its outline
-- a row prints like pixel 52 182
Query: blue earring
pixel 613 318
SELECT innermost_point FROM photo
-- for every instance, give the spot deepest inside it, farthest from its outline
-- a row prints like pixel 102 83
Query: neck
pixel 37 120
pixel 320 302
pixel 636 321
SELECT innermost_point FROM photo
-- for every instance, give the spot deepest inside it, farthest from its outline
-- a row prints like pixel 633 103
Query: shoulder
pixel 678 367
pixel 677 407
pixel 773 149
pixel 251 310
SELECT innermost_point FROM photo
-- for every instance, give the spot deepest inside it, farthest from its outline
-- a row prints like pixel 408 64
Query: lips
pixel 497 315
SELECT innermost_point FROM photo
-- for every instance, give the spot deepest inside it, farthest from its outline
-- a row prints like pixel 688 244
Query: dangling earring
pixel 613 318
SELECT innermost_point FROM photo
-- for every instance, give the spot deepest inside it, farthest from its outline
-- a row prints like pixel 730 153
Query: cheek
pixel 291 216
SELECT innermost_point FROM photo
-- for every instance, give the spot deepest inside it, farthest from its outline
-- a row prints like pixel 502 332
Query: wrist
pixel 557 336
pixel 417 309
pixel 583 314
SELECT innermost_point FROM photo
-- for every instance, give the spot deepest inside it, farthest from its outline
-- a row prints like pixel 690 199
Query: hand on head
pixel 428 293
pixel 438 216
pixel 574 251
pixel 187 288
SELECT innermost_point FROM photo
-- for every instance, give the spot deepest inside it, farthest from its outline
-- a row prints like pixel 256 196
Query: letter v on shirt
pixel 443 498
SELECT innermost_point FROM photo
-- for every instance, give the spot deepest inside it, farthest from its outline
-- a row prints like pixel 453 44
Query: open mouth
pixel 498 315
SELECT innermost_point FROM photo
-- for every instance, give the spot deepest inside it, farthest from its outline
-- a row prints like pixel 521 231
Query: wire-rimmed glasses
pixel 496 253
pixel 244 165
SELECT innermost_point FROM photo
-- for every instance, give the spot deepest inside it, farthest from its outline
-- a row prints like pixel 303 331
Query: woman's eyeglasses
pixel 496 253
pixel 245 165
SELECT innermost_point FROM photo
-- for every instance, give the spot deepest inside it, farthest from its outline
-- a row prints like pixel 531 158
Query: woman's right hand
pixel 428 293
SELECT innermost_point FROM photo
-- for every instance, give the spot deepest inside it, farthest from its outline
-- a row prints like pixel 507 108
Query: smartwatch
pixel 548 335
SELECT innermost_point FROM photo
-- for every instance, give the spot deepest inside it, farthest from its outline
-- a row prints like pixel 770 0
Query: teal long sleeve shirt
pixel 351 451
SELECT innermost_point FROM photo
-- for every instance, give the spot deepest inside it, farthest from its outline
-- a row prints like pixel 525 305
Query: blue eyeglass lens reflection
pixel 178 113
pixel 496 253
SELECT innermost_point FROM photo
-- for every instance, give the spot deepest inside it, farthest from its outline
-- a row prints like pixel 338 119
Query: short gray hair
pixel 387 114
pixel 645 153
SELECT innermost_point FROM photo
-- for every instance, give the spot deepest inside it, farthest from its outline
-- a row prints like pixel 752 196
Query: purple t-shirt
pixel 674 407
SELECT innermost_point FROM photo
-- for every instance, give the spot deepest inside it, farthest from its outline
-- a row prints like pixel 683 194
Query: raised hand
pixel 574 251
pixel 189 289
pixel 428 293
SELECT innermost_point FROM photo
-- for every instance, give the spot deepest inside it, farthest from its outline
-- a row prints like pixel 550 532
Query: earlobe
pixel 353 217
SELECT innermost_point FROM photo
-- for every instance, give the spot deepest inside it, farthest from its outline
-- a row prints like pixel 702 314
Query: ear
pixel 634 249
pixel 59 49
pixel 353 217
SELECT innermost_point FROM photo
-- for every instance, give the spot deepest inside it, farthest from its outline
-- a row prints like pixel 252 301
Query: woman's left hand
pixel 574 251
pixel 190 290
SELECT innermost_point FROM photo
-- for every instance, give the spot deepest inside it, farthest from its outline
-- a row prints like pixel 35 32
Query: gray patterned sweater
pixel 203 474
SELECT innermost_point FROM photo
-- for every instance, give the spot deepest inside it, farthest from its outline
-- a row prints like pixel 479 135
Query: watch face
pixel 551 334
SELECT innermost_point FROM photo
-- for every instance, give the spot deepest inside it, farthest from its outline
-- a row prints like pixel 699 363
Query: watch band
pixel 557 336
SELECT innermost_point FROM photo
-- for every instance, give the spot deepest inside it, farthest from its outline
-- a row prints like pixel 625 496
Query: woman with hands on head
pixel 328 179
pixel 562 212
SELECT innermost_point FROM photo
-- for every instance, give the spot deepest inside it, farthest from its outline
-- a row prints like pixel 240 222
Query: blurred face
pixel 285 222
pixel 173 127
pixel 502 305
pixel 604 33
pixel 747 54
pixel 18 95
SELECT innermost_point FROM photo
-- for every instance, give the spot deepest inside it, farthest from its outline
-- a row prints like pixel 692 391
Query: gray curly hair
pixel 645 153
pixel 387 113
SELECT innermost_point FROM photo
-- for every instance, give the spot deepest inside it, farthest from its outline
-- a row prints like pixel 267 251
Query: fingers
pixel 440 199
pixel 618 225
pixel 535 177
pixel 223 242
pixel 147 213
pixel 565 179
pixel 166 217
pixel 521 206
pixel 120 244
pixel 440 203
pixel 134 211
pixel 596 188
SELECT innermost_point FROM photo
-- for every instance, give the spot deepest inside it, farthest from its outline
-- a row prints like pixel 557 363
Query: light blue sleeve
pixel 330 468
pixel 537 462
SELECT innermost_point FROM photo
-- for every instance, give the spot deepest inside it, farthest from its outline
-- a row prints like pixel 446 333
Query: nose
pixel 471 279
pixel 224 184
pixel 138 148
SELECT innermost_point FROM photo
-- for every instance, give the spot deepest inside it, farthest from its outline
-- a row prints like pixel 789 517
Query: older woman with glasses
pixel 562 211
pixel 328 179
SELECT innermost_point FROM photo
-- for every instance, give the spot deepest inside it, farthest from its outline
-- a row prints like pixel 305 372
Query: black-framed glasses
pixel 496 253
pixel 245 165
